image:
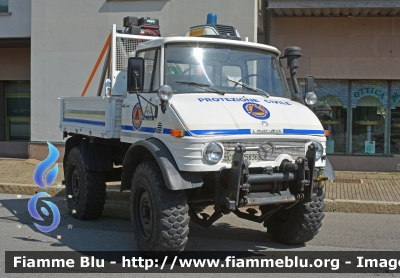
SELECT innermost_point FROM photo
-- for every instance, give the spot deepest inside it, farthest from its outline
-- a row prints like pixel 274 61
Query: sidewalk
pixel 350 192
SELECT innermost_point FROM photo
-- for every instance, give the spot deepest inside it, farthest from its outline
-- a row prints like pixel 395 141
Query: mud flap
pixel 328 172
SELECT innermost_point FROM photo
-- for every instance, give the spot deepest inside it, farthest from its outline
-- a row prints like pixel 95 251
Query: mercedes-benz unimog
pixel 190 122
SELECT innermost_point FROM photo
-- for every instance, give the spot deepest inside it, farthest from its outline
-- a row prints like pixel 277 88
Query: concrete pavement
pixel 367 192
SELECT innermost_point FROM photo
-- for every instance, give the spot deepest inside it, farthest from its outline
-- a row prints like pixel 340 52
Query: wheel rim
pixel 74 183
pixel 143 213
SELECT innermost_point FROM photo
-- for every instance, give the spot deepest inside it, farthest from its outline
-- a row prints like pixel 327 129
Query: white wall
pixel 67 37
pixel 18 24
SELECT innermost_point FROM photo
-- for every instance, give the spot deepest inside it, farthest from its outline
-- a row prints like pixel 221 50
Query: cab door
pixel 138 115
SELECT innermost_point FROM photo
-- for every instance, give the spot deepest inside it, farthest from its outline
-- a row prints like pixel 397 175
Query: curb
pixel 341 205
pixel 337 205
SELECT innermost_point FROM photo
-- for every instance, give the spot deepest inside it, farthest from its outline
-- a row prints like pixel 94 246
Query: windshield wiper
pixel 249 87
pixel 201 85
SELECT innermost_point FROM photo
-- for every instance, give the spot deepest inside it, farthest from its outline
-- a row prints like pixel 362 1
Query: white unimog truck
pixel 188 122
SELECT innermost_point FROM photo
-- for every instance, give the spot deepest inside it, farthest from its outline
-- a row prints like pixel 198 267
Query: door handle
pixel 125 105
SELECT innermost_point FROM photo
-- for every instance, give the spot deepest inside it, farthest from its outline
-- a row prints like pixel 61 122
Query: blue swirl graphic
pixel 52 175
pixel 33 212
pixel 45 211
pixel 44 165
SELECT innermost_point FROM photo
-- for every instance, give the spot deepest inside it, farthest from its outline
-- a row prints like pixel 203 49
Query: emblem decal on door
pixel 137 117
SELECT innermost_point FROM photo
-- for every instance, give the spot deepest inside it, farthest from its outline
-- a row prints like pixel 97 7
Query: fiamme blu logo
pixel 44 181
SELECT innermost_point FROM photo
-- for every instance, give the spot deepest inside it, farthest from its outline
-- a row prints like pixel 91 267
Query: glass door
pixel 18 111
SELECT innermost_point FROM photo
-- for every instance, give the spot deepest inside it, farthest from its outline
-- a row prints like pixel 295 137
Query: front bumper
pixel 238 191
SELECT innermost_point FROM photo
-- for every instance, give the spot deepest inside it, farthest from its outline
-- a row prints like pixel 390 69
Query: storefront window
pixel 395 130
pixel 369 100
pixel 333 116
pixel 395 119
pixel 331 110
pixel 369 126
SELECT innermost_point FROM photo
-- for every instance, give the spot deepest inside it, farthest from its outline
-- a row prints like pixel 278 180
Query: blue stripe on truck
pixel 303 131
pixel 227 131
pixel 221 131
pixel 142 129
pixel 84 121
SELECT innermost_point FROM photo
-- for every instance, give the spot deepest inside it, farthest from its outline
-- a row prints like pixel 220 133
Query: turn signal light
pixel 326 133
pixel 177 132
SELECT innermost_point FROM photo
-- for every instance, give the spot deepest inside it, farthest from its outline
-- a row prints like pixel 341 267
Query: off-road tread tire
pixel 303 223
pixel 170 211
pixel 92 195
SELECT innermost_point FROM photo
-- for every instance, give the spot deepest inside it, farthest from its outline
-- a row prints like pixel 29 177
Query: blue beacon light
pixel 211 18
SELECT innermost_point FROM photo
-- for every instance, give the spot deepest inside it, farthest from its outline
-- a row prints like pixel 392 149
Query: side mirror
pixel 135 74
pixel 310 85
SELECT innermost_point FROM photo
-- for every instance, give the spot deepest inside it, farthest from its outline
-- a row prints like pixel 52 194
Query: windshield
pixel 219 66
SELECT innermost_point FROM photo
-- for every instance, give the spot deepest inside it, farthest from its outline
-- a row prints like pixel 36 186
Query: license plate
pixel 251 156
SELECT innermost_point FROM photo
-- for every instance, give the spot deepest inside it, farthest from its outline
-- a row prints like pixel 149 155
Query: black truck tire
pixel 159 216
pixel 85 190
pixel 300 223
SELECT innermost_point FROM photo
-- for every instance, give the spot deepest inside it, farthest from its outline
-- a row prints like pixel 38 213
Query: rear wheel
pixel 298 224
pixel 86 190
pixel 159 216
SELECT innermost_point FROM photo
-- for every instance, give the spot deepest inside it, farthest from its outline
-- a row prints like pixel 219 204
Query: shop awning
pixel 333 8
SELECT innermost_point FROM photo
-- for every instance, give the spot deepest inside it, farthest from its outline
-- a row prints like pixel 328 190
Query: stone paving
pixel 364 186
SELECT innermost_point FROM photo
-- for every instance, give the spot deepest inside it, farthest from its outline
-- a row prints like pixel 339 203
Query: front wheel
pixel 159 216
pixel 298 224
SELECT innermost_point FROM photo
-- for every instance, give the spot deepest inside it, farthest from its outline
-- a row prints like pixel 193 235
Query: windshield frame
pixel 213 45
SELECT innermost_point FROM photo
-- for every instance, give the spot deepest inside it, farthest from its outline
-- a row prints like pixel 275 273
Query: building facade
pixel 48 49
pixel 352 50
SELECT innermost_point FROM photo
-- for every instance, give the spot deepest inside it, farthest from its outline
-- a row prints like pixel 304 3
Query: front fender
pixel 150 149
pixel 328 172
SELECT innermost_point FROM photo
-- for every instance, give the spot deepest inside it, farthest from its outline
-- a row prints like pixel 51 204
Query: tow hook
pixel 243 202
pixel 320 182
pixel 299 197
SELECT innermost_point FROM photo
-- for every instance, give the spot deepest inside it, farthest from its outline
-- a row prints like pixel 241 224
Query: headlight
pixel 319 150
pixel 311 98
pixel 165 92
pixel 213 153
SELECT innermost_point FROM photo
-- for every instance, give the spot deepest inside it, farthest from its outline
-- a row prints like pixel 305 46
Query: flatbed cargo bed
pixel 93 116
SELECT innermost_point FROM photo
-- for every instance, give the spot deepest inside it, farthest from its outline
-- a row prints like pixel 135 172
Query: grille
pixel 226 29
pixel 159 128
pixel 125 48
pixel 292 152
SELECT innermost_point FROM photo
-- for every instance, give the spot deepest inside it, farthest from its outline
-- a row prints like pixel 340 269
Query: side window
pixel 151 70
pixel 231 72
